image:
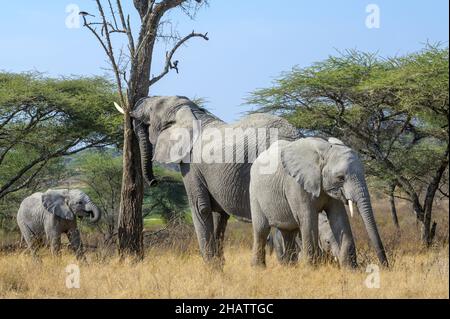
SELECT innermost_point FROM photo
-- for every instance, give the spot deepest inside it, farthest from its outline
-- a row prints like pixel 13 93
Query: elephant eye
pixel 341 178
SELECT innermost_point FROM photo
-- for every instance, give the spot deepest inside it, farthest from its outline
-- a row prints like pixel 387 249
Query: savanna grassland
pixel 172 268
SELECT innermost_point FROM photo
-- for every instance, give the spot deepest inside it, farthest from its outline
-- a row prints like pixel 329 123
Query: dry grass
pixel 169 275
pixel 179 272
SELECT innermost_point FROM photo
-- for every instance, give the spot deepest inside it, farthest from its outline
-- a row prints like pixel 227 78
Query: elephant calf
pixel 50 214
pixel 328 244
pixel 312 175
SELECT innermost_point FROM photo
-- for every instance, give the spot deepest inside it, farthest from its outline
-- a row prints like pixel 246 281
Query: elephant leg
pixel 309 227
pixel 75 243
pixel 261 230
pixel 202 214
pixel 306 216
pixel 327 242
pixel 202 217
pixel 342 232
pixel 276 243
pixel 220 224
pixel 55 245
pixel 290 248
pixel 33 241
pixel 33 245
pixel 54 239
pixel 204 228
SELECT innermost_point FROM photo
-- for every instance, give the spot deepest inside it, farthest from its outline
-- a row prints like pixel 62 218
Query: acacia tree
pixel 101 173
pixel 393 111
pixel 43 119
pixel 133 83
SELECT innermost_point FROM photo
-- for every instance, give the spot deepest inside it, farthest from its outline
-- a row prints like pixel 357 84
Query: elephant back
pixel 286 131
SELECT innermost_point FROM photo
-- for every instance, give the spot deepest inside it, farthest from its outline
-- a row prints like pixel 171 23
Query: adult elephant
pixel 313 174
pixel 50 214
pixel 176 130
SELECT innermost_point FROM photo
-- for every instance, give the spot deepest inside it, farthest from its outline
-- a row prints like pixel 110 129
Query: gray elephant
pixel 216 188
pixel 328 245
pixel 312 175
pixel 45 216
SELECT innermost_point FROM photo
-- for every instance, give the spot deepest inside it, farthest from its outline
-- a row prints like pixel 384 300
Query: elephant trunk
pixel 96 214
pixel 362 198
pixel 146 150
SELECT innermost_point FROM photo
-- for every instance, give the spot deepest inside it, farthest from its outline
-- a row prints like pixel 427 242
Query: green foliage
pixel 168 199
pixel 49 129
pixel 99 173
pixel 393 111
pixel 43 119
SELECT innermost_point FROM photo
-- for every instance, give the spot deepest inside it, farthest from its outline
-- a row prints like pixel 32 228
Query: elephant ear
pixel 175 142
pixel 301 160
pixel 55 203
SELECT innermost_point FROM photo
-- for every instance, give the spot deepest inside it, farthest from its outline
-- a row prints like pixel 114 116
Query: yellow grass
pixel 178 271
pixel 171 275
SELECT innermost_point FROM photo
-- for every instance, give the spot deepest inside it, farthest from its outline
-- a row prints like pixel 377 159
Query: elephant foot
pixel 350 265
pixel 215 263
pixel 36 258
pixel 81 258
pixel 258 263
pixel 290 260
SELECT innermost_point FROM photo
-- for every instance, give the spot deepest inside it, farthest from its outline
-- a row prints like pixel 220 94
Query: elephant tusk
pixel 119 108
pixel 350 206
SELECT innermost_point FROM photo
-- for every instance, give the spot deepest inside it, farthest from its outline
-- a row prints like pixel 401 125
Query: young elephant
pixel 327 243
pixel 312 175
pixel 50 214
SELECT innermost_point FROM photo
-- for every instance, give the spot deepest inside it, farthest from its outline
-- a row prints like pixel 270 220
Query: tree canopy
pixel 394 111
pixel 43 119
pixel 99 174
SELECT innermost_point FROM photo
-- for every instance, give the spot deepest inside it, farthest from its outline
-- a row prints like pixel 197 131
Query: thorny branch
pixel 169 55
pixel 151 13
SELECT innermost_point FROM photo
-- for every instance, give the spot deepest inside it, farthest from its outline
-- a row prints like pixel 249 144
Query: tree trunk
pixel 130 232
pixel 429 229
pixel 393 207
pixel 130 224
pixel 130 216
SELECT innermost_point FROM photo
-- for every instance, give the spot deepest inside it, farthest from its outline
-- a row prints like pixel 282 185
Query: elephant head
pixel 165 128
pixel 330 167
pixel 70 203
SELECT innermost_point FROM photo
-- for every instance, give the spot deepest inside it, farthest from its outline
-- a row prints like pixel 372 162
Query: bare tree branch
pixel 127 27
pixel 107 47
pixel 112 14
pixel 63 151
pixel 152 18
pixel 169 65
pixel 27 182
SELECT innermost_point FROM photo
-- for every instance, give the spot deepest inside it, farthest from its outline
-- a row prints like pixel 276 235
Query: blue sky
pixel 251 41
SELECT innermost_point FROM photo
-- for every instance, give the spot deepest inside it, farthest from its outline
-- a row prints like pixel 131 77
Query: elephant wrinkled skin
pixel 50 214
pixel 215 190
pixel 313 175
